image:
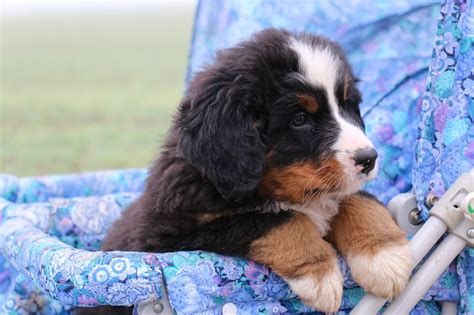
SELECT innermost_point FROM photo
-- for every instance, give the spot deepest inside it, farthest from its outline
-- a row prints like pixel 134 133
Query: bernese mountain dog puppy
pixel 265 160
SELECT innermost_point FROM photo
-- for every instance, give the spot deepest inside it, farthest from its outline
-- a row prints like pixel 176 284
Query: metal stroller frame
pixel 453 212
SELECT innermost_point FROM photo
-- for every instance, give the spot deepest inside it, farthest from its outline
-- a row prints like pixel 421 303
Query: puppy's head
pixel 278 115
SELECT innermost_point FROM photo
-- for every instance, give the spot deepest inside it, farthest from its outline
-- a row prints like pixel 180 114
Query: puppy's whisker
pixel 330 180
pixel 306 187
pixel 306 194
pixel 307 197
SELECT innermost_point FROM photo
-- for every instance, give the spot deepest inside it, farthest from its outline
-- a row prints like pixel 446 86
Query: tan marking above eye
pixel 308 102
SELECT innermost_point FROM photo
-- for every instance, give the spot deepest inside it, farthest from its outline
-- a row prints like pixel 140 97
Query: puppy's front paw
pixel 322 293
pixel 385 273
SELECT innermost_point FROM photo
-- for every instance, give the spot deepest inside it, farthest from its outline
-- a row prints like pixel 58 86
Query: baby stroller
pixel 51 226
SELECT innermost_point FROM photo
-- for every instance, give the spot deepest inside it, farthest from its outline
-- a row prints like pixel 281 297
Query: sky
pixel 25 6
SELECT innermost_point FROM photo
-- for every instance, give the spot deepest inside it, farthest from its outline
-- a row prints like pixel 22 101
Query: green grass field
pixel 92 89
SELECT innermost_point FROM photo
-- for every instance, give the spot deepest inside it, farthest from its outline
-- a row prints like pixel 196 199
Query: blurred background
pixel 88 85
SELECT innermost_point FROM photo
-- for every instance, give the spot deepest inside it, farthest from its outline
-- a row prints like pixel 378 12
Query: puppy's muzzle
pixel 366 158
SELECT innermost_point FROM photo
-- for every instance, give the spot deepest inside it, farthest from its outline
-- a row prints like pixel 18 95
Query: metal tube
pixel 429 272
pixel 449 308
pixel 426 238
pixel 369 305
pixel 421 243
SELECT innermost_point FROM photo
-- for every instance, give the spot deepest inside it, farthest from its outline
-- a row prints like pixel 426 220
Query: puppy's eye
pixel 299 120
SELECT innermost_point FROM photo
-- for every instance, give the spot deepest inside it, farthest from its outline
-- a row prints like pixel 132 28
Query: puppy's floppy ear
pixel 222 130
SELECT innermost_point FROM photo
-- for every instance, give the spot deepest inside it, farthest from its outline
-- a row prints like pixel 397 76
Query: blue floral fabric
pixel 70 276
pixel 42 188
pixel 53 245
pixel 51 225
pixel 445 145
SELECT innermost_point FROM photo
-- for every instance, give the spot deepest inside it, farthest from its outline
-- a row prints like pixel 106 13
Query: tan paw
pixel 384 274
pixel 323 294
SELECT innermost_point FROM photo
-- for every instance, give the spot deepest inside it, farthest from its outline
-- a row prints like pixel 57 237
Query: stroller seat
pixel 51 226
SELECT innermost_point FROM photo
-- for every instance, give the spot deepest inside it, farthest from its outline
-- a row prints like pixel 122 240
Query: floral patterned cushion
pixel 52 248
pixel 38 239
pixel 42 188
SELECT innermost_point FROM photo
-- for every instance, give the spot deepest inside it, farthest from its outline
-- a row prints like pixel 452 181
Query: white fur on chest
pixel 320 212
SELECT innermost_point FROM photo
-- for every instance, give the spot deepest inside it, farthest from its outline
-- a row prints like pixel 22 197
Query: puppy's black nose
pixel 366 158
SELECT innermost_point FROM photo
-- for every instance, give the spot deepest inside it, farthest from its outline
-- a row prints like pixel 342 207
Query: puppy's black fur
pixel 240 116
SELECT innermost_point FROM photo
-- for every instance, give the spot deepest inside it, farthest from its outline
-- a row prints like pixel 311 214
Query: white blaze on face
pixel 321 68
